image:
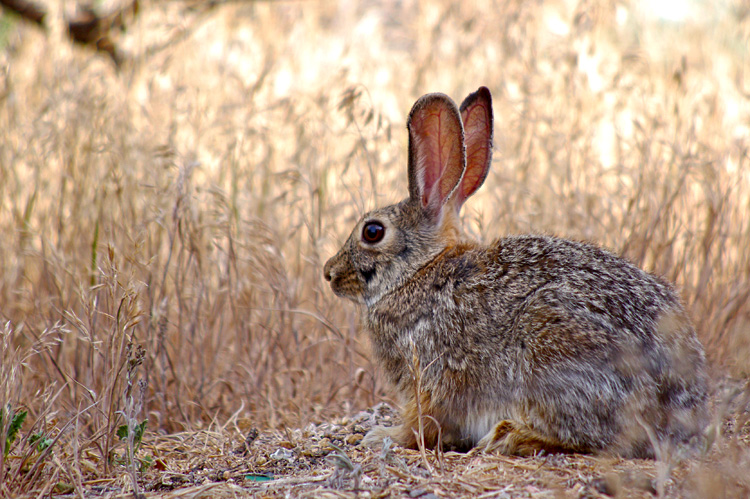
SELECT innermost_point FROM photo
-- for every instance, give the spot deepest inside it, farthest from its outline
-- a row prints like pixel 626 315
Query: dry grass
pixel 165 226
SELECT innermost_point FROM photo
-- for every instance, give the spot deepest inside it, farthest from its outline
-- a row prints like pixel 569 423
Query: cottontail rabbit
pixel 531 343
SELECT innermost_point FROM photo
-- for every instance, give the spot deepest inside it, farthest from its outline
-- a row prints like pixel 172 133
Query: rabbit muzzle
pixel 344 282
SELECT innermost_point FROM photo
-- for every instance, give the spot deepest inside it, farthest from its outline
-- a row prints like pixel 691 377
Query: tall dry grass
pixel 164 226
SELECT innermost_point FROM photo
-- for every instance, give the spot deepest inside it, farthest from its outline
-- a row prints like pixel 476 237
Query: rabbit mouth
pixel 343 284
pixel 342 290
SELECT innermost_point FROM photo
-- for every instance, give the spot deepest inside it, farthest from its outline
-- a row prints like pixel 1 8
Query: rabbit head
pixel 450 150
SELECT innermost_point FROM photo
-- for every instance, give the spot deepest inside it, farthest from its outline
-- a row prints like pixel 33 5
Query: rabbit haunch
pixel 531 343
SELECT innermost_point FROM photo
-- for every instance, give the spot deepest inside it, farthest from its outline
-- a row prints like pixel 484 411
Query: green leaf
pixel 64 488
pixel 138 431
pixel 16 421
pixel 44 441
pixel 146 462
pixel 122 432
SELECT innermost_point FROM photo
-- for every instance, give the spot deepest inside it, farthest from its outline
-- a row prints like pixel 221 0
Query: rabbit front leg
pixel 420 422
pixel 400 435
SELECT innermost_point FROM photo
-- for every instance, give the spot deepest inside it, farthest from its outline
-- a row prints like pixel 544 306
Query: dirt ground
pixel 328 460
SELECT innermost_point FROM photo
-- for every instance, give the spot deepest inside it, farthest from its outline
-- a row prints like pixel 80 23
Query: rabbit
pixel 532 343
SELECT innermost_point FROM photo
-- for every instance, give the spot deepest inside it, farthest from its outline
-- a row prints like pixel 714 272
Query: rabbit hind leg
pixel 514 438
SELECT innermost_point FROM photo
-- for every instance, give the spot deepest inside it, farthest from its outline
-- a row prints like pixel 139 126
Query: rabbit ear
pixel 476 113
pixel 436 151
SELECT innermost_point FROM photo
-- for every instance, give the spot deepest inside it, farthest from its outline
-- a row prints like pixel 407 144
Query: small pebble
pixel 282 454
pixel 354 439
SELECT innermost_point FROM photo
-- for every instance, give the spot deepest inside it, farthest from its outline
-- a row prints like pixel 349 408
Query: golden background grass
pixel 166 223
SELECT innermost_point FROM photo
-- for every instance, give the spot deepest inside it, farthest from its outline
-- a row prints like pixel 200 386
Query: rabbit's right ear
pixel 436 152
pixel 476 113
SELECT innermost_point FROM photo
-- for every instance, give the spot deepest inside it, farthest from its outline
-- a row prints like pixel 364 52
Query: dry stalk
pixel 417 374
pixel 132 405
pixel 664 457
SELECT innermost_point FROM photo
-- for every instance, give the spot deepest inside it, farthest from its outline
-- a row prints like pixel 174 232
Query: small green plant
pixel 138 431
pixel 16 421
pixel 42 441
pixel 137 438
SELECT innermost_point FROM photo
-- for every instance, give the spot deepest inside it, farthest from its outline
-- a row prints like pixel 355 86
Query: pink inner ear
pixel 437 132
pixel 478 137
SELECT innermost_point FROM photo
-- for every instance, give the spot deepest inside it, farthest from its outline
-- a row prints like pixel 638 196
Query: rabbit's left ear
pixel 436 152
pixel 476 113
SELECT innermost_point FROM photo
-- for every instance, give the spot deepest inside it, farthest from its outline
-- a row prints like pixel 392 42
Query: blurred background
pixel 174 176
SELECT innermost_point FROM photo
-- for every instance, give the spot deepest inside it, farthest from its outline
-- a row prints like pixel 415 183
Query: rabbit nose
pixel 327 271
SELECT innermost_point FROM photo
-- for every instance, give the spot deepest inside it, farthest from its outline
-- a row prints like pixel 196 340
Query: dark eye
pixel 373 232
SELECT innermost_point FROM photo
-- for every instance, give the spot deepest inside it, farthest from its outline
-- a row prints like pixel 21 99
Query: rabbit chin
pixel 346 294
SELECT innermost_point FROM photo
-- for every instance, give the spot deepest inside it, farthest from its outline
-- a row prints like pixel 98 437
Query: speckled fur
pixel 531 343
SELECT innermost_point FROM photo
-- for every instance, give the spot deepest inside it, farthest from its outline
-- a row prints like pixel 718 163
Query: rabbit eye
pixel 373 232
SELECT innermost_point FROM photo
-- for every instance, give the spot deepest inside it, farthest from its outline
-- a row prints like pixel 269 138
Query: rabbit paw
pixel 376 437
pixel 514 438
